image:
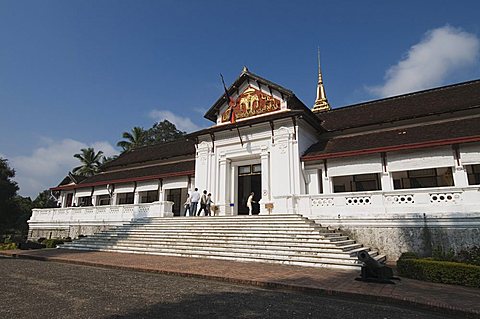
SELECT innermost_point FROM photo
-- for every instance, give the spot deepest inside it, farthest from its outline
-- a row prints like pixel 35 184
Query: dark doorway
pixel 175 195
pixel 249 180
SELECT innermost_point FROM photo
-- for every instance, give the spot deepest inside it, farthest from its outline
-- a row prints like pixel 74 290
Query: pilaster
pixel 266 197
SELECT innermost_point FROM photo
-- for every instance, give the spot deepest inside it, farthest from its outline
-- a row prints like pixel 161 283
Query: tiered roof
pixel 440 116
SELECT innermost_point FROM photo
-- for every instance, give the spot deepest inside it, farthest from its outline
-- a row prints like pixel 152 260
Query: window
pixel 69 200
pixel 103 200
pixel 148 197
pixel 356 183
pixel 250 169
pixel 257 168
pixel 125 198
pixel 244 170
pixel 423 178
pixel 85 201
pixel 473 173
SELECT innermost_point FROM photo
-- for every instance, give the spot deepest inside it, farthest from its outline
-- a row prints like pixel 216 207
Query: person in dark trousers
pixel 187 206
pixel 203 204
pixel 194 198
pixel 209 204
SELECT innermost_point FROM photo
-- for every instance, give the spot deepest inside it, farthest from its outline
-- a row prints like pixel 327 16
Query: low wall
pixel 419 233
pixel 74 221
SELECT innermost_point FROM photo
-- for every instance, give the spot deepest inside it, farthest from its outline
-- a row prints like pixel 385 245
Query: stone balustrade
pixel 424 201
pixel 75 221
pixel 103 213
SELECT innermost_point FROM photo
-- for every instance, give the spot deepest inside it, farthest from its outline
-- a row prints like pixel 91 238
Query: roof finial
pixel 321 103
pixel 245 69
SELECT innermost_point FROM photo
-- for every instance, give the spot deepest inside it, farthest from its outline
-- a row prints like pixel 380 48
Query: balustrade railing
pixel 103 213
pixel 438 200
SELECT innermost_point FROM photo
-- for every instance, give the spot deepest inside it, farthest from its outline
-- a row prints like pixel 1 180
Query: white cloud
pixel 49 164
pixel 182 123
pixel 442 52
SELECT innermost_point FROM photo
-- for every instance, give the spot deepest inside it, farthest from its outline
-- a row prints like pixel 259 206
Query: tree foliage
pixel 164 131
pixel 8 191
pixel 160 132
pixel 44 200
pixel 91 162
pixel 15 210
pixel 136 138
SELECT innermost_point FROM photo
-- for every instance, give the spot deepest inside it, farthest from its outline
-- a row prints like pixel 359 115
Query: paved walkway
pixel 447 298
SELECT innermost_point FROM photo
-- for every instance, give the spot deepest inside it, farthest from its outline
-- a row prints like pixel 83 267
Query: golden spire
pixel 321 103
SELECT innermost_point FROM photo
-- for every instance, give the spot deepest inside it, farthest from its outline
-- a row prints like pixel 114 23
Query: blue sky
pixel 78 73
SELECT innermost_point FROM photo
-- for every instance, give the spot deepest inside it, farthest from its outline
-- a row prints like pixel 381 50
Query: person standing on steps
pixel 203 203
pixel 209 204
pixel 194 202
pixel 187 204
pixel 250 201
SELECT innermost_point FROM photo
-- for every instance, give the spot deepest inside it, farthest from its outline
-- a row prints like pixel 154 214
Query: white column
pixel 460 178
pixel 113 199
pixel 223 183
pixel 327 186
pixel 136 198
pixel 233 190
pixel 387 182
pixel 265 161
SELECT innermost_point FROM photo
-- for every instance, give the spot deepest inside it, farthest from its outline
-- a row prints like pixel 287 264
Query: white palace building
pixel 397 174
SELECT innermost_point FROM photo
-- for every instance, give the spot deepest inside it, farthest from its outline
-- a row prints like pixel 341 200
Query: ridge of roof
pixel 422 100
pixel 405 95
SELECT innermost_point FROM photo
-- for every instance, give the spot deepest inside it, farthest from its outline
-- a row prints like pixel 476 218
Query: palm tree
pixel 138 137
pixel 90 160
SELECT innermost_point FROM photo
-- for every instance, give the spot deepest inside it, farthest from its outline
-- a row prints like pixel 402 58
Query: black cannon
pixel 373 270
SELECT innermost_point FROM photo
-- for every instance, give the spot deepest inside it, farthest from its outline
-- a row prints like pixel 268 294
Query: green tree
pixel 137 138
pixel 11 212
pixel 44 199
pixel 162 132
pixel 90 160
pixel 23 209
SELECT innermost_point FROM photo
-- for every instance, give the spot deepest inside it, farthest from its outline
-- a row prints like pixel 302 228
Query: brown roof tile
pixel 183 168
pixel 439 133
pixel 163 151
pixel 445 99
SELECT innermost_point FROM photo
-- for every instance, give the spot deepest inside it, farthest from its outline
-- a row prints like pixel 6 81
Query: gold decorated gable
pixel 250 103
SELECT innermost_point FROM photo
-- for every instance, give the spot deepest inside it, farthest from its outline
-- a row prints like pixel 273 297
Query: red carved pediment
pixel 250 103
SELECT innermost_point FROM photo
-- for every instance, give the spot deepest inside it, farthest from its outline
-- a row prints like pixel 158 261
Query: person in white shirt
pixel 249 203
pixel 194 198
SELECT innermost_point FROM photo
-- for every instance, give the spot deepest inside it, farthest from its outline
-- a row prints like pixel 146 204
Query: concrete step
pixel 227 232
pixel 284 239
pixel 232 253
pixel 335 265
pixel 231 236
pixel 228 247
pixel 219 242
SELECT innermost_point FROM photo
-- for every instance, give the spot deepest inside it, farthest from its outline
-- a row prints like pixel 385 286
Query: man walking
pixel 194 202
pixel 203 203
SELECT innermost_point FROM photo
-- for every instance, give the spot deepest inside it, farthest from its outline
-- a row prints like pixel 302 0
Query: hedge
pixel 439 271
pixel 52 243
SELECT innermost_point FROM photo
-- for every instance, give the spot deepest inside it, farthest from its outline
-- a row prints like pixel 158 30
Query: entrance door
pixel 249 180
pixel 175 195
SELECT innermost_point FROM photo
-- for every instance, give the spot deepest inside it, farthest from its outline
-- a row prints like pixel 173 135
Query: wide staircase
pixel 282 239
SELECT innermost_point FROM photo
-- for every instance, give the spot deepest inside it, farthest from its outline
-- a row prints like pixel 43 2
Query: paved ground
pixel 449 299
pixel 35 289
